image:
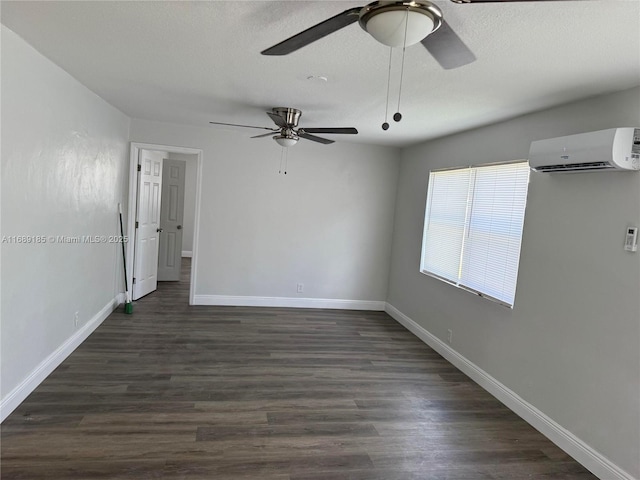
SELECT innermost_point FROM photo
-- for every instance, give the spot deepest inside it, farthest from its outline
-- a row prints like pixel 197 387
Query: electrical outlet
pixel 300 288
pixel 76 319
pixel 449 336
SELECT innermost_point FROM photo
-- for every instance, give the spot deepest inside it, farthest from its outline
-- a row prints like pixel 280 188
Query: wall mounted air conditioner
pixel 604 150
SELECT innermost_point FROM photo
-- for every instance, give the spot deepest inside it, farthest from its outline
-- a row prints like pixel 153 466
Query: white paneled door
pixel 171 217
pixel 147 223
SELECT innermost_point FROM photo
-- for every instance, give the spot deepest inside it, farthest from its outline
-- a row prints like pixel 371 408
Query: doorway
pixel 137 249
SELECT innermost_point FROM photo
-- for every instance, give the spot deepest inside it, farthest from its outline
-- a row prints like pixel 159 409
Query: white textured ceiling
pixel 192 62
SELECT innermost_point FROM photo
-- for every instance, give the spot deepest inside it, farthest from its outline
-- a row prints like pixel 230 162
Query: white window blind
pixel 473 227
pixel 445 221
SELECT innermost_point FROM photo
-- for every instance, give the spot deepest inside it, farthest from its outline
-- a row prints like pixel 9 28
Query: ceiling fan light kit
pixel 287 140
pixel 400 24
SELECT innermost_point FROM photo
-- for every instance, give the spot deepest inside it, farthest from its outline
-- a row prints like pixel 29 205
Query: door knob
pixel 158 230
pixel 179 227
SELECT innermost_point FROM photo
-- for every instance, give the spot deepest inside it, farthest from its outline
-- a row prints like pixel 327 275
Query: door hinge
pixel 136 224
pixel 139 167
pixel 134 280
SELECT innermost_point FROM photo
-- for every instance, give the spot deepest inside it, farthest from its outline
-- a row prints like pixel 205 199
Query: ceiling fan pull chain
pixel 385 125
pixel 281 156
pixel 286 159
pixel 398 116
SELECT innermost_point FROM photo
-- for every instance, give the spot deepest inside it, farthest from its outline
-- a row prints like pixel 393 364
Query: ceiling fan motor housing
pixel 386 21
pixel 291 116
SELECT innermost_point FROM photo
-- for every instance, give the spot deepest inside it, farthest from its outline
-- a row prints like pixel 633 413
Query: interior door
pixel 145 270
pixel 171 217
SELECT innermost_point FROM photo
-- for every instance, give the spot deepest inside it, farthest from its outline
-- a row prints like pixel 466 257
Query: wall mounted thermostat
pixel 631 239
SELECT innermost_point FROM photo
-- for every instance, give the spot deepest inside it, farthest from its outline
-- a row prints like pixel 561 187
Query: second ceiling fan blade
pixel 313 138
pixel 339 130
pixel 244 126
pixel 314 33
pixel 447 48
pixel 263 135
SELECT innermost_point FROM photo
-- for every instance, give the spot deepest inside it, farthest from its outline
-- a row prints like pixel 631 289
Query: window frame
pixel 467 222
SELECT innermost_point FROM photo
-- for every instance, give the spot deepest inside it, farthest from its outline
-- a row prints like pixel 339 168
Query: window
pixel 473 228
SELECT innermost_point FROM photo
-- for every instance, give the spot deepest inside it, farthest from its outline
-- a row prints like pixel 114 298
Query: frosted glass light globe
pixel 389 27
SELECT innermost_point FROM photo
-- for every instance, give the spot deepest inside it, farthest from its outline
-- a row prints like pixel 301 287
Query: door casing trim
pixel 131 206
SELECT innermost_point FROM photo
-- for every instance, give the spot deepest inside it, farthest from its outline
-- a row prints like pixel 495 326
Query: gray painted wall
pixel 570 346
pixel 327 223
pixel 64 158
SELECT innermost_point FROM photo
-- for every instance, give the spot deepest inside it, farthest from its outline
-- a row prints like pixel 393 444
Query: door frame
pixel 131 206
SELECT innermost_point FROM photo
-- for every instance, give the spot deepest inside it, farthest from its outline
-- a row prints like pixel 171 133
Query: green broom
pixel 128 306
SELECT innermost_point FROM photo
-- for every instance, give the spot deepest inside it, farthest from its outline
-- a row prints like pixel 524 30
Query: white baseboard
pixel 591 459
pixel 246 301
pixel 187 253
pixel 49 364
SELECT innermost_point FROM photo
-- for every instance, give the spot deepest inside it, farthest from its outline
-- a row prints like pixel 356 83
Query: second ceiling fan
pixel 287 133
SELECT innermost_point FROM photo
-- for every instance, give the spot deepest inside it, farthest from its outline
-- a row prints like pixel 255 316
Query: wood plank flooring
pixel 180 392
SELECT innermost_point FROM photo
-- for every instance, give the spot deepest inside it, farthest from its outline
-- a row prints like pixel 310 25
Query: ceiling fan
pixel 392 23
pixel 396 24
pixel 288 133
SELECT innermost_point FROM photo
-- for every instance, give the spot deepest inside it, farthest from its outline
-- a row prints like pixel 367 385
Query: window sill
pixel 467 289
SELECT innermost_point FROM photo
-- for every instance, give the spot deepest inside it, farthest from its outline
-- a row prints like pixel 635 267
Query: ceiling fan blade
pixel 278 120
pixel 447 48
pixel 347 131
pixel 263 135
pixel 244 126
pixel 313 138
pixel 314 33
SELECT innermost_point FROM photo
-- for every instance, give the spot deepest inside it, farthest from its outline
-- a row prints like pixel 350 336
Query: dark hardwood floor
pixel 180 392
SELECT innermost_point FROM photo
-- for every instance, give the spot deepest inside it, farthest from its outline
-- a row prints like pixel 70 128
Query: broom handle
pixel 124 258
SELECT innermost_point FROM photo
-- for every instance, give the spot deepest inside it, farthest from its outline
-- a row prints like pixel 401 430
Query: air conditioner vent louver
pixel 574 168
pixel 601 151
